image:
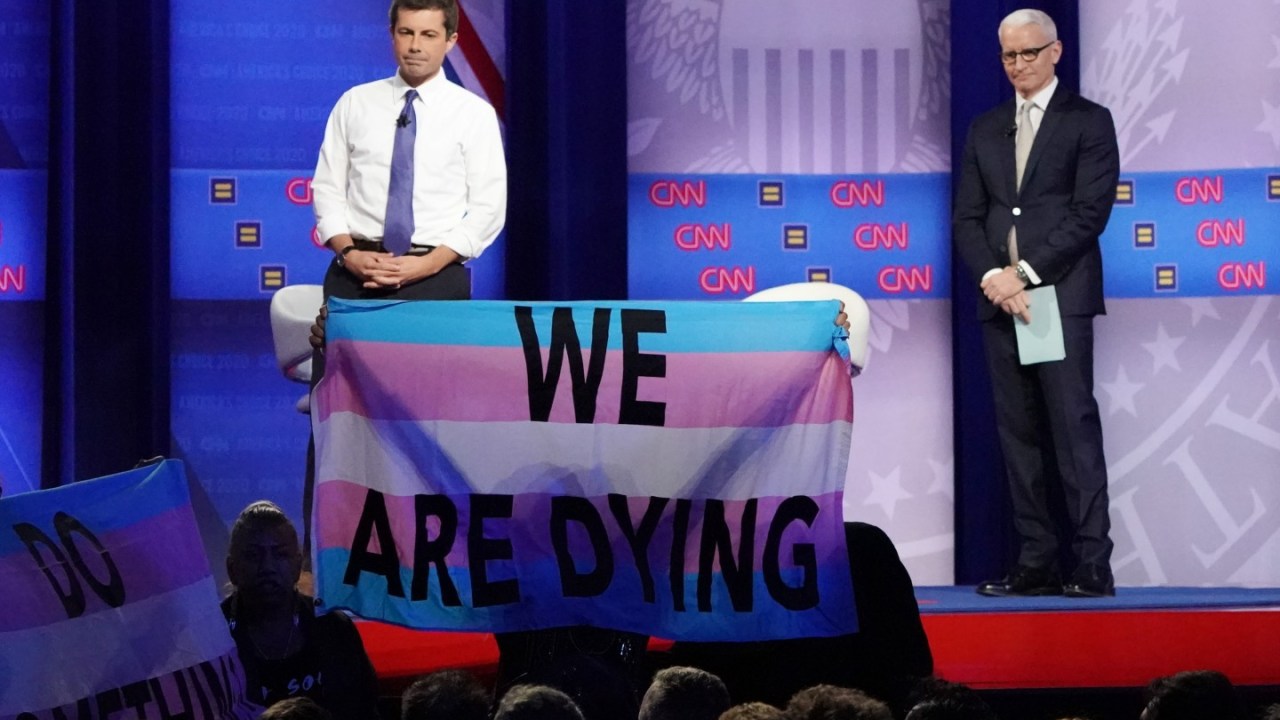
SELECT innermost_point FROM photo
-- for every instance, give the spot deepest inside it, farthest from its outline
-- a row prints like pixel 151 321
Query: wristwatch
pixel 342 254
pixel 1022 273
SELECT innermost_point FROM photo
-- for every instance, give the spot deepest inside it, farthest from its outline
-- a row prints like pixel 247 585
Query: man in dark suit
pixel 1035 191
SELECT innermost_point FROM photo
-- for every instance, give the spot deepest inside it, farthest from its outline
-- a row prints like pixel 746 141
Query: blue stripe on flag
pixel 615 609
pixel 105 504
pixel 719 327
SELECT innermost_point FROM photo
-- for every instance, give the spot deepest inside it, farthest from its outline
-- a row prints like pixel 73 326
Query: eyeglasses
pixel 1028 55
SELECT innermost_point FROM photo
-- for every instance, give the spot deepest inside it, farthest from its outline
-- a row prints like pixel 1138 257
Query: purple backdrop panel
pixel 1185 372
pixel 772 143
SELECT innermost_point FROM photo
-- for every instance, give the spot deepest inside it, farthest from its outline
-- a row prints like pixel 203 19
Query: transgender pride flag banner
pixel 109 607
pixel 669 468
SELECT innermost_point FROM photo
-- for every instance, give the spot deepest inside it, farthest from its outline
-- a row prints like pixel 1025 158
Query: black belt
pixel 366 245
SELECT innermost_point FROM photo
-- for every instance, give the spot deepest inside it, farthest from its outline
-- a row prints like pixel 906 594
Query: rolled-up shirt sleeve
pixel 329 184
pixel 486 177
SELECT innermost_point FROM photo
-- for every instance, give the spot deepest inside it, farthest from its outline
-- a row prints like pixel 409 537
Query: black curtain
pixel 106 369
pixel 567 150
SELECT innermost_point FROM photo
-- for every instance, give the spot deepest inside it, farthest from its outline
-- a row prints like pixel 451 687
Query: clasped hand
pixel 382 271
pixel 1008 292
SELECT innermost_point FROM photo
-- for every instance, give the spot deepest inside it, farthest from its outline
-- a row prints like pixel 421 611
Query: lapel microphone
pixel 403 120
pixel 1013 130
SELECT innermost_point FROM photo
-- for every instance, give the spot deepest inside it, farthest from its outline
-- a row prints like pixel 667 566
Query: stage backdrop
pixel 252 86
pixel 24 163
pixel 1186 373
pixel 773 143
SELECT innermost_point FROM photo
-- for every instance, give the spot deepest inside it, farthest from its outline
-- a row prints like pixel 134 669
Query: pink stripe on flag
pixel 153 556
pixel 396 381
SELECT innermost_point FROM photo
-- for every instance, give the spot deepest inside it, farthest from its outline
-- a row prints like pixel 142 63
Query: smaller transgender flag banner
pixel 109 606
pixel 668 468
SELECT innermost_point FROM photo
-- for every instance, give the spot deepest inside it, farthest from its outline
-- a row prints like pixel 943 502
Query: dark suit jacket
pixel 1068 188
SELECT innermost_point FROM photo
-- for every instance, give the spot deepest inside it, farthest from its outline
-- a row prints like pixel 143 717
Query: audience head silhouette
pixel 445 695
pixel 536 702
pixel 753 711
pixel 936 699
pixel 1193 695
pixel 298 708
pixel 829 702
pixel 684 693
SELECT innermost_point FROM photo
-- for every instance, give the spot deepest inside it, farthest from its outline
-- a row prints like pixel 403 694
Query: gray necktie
pixel 1022 150
pixel 397 230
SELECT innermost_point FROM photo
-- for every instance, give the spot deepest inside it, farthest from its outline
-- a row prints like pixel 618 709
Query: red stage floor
pixel 1099 649
pixel 987 650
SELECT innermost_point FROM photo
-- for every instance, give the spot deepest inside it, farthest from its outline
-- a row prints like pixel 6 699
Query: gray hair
pixel 1025 16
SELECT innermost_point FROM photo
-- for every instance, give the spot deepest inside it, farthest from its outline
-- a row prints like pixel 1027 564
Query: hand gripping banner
pixel 670 468
pixel 110 609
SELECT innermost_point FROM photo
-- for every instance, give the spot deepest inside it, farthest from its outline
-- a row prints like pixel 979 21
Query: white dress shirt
pixel 1035 116
pixel 1041 100
pixel 460 173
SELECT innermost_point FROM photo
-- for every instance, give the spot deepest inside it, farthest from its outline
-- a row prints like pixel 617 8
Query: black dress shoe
pixel 1024 581
pixel 1091 581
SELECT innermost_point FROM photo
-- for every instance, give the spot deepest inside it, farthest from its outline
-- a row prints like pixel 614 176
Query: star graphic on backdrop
pixel 1121 393
pixel 886 491
pixel 1164 350
pixel 944 478
pixel 1200 308
pixel 1275 62
pixel 1271 122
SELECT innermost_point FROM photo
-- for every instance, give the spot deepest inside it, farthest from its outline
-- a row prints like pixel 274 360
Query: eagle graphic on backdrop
pixel 718 60
pixel 705 63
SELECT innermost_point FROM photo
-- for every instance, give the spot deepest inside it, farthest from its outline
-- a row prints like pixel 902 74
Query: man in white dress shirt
pixel 457 201
pixel 459 175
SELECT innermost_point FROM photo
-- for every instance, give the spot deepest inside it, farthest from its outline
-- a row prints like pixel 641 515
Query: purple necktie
pixel 397 230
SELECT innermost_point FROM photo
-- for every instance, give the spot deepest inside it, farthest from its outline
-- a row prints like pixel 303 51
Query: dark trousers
pixel 1049 426
pixel 451 283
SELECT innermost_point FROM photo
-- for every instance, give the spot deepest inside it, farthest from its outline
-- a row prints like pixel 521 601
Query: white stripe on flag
pixel 141 640
pixel 634 460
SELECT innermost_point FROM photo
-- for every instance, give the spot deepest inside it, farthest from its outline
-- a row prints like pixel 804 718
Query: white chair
pixel 293 310
pixel 854 306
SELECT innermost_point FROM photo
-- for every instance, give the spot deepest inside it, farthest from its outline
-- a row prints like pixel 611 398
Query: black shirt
pixel 331 668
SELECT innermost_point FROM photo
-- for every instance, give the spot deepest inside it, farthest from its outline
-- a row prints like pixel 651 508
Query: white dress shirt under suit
pixel 460 173
pixel 1035 117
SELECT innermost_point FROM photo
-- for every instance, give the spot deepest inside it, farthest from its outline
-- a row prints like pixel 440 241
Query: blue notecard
pixel 1041 339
